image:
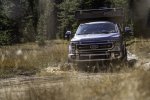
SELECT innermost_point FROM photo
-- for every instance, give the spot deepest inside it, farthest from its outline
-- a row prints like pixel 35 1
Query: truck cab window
pixel 100 28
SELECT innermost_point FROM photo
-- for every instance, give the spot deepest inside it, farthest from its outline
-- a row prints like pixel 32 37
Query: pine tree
pixel 7 26
pixel 2 26
pixel 94 4
pixel 66 16
pixel 67 10
pixel 119 3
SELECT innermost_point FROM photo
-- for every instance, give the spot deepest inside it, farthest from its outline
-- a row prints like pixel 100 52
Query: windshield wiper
pixel 84 33
pixel 106 32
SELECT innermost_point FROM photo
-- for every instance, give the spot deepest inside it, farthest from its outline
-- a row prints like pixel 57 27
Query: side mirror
pixel 68 35
pixel 128 31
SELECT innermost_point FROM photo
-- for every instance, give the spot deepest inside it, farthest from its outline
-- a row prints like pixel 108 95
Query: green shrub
pixel 5 38
pixel 29 31
pixel 40 40
pixel 8 31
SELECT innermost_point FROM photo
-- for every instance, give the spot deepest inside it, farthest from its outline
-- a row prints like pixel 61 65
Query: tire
pixel 69 61
pixel 124 58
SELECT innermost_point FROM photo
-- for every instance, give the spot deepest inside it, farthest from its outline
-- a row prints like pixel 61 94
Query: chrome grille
pixel 98 46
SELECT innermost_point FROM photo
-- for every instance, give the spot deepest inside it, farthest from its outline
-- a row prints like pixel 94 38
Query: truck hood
pixel 97 37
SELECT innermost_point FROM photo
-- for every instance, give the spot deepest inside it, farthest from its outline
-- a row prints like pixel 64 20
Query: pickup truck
pixel 99 36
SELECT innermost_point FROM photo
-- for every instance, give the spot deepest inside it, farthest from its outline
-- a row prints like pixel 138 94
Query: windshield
pixel 98 28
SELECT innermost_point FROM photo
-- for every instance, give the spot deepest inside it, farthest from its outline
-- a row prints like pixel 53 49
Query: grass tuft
pixel 28 59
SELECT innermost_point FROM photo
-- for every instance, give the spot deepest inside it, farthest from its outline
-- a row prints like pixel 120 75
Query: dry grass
pixel 27 59
pixel 127 84
pixel 140 47
pixel 134 86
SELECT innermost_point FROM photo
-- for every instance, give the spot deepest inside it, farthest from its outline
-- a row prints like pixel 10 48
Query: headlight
pixel 116 48
pixel 71 50
pixel 117 43
pixel 73 44
pixel 72 47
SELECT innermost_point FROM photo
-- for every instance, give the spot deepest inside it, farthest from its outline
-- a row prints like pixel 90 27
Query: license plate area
pixel 92 57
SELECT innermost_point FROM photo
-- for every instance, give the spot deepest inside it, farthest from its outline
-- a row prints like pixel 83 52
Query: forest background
pixel 39 20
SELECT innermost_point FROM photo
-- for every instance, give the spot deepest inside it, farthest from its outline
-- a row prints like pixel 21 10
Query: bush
pixel 8 37
pixel 29 31
pixel 40 40
pixel 5 38
pixel 8 31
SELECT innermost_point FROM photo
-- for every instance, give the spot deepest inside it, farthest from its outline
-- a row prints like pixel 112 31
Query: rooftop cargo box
pixel 105 14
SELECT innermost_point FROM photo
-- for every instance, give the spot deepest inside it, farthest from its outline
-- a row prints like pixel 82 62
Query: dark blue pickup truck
pixel 99 37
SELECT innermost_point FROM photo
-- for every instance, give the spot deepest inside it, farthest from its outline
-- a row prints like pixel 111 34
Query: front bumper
pixel 114 55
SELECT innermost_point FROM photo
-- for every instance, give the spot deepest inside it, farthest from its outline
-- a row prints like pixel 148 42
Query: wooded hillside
pixel 31 20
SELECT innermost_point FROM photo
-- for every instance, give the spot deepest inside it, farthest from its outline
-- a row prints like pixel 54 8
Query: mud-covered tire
pixel 69 61
pixel 124 58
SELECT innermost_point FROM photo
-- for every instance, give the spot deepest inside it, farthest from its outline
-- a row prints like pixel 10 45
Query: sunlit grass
pixel 133 86
pixel 29 58
pixel 114 84
pixel 139 45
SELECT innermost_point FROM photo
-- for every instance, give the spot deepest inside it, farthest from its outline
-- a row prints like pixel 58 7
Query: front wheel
pixel 124 57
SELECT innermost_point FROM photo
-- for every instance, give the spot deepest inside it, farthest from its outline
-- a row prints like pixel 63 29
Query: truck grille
pixel 102 46
pixel 94 50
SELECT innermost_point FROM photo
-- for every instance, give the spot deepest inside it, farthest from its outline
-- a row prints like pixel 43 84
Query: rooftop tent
pixel 106 14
